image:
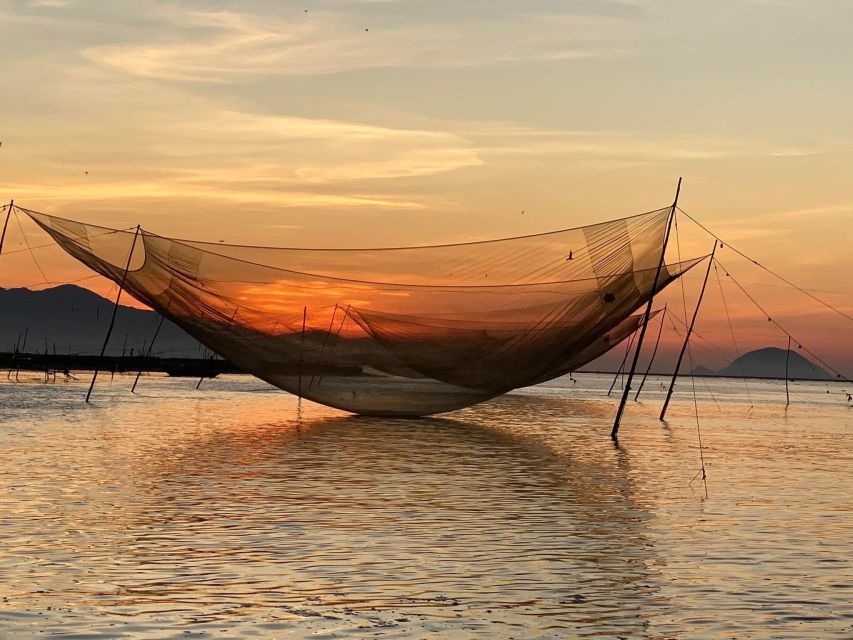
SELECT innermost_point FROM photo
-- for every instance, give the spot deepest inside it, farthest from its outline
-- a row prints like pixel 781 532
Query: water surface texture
pixel 233 512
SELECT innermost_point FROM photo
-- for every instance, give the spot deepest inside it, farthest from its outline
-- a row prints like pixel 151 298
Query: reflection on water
pixel 235 512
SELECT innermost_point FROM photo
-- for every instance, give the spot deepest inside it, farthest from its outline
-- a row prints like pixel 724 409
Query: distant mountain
pixel 769 363
pixel 71 319
pixel 702 370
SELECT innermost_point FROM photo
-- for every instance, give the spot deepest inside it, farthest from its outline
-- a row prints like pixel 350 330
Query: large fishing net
pixel 395 331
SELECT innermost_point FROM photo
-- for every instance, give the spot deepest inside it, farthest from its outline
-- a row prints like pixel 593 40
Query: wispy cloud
pixel 316 150
pixel 51 4
pixel 198 150
pixel 627 147
pixel 225 46
pixel 95 189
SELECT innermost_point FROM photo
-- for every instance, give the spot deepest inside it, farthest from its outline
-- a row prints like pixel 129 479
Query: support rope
pixel 29 248
pixel 773 321
pixel 731 329
pixel 690 362
pixel 690 358
pixel 773 273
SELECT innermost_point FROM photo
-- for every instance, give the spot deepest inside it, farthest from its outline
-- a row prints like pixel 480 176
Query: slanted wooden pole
pixel 615 431
pixel 147 355
pixel 325 342
pixel 115 310
pixel 6 224
pixel 210 370
pixel 201 378
pixel 337 335
pixel 689 331
pixel 787 358
pixel 654 353
pixel 621 370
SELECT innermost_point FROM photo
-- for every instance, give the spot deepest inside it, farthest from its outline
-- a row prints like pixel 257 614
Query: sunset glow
pixel 354 123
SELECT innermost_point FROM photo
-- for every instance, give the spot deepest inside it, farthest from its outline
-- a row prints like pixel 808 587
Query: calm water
pixel 229 513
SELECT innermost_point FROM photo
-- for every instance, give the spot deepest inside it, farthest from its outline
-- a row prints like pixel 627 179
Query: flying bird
pixel 570 256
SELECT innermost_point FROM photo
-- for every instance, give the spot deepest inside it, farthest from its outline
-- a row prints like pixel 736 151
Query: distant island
pixel 768 362
pixel 72 320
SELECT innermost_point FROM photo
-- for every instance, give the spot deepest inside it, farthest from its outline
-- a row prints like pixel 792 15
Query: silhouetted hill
pixel 75 320
pixel 702 370
pixel 769 363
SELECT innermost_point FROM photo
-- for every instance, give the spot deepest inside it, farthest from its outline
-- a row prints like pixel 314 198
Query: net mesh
pixel 395 331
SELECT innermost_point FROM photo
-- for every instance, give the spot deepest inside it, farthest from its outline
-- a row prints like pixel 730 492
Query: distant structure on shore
pixel 768 363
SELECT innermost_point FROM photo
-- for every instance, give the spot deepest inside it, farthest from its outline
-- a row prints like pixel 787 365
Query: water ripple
pixel 233 512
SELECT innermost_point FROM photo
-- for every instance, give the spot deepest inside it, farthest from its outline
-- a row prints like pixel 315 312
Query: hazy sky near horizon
pixel 381 122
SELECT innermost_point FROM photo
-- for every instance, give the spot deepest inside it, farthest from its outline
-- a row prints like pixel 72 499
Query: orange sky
pixel 362 123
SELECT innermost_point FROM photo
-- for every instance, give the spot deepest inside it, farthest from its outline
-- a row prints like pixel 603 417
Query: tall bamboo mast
pixel 115 309
pixel 654 353
pixel 615 431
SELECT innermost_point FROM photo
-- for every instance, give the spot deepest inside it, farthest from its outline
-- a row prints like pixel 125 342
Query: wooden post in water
pixel 325 342
pixel 654 352
pixel 210 370
pixel 148 354
pixel 689 331
pixel 615 431
pixel 115 310
pixel 622 366
pixel 6 224
pixel 302 350
pixel 787 358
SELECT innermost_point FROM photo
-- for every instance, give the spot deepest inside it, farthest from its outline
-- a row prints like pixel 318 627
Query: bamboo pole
pixel 6 224
pixel 325 342
pixel 689 331
pixel 654 353
pixel 115 310
pixel 302 350
pixel 787 358
pixel 615 431
pixel 621 370
pixel 147 355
